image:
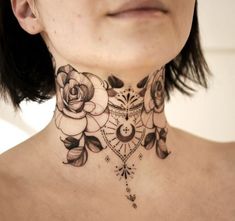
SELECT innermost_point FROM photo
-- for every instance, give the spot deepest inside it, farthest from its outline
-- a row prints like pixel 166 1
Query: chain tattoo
pixel 109 115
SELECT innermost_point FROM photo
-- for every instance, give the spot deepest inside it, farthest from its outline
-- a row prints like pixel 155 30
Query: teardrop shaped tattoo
pixel 108 115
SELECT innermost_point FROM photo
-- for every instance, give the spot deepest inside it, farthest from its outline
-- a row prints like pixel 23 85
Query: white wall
pixel 210 114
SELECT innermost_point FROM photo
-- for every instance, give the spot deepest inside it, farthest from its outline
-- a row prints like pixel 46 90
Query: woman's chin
pixel 141 65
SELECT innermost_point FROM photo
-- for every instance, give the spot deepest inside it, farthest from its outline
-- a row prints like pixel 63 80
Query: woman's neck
pixel 96 115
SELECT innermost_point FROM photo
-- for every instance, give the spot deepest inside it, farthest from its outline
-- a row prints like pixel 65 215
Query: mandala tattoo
pixel 109 115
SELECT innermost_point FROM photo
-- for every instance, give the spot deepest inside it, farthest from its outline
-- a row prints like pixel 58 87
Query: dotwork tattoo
pixel 109 115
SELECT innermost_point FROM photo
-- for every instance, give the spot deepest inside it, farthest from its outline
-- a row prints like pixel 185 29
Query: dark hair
pixel 26 69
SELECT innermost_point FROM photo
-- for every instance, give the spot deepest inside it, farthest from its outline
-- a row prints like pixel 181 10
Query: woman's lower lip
pixel 150 13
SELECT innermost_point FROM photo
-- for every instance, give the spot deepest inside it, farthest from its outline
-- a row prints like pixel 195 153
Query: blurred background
pixel 209 114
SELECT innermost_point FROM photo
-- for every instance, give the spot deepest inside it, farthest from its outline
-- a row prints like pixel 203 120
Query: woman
pixel 109 147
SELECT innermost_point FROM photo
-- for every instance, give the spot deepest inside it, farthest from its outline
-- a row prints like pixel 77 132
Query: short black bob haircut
pixel 26 69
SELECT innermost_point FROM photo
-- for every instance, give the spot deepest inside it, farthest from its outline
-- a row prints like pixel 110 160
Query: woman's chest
pixel 185 196
pixel 194 200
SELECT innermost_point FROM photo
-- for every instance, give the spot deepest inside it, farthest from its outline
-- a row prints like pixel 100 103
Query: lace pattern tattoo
pixel 108 115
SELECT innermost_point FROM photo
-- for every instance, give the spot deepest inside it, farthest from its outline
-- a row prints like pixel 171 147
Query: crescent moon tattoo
pixel 124 138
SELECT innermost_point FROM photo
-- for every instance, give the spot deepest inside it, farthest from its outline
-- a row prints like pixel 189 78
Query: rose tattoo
pixel 153 114
pixel 81 100
pixel 93 114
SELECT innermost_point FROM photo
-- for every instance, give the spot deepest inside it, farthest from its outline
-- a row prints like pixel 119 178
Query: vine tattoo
pixel 108 115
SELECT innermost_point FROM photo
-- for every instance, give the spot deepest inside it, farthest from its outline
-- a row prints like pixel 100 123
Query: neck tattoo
pixel 94 115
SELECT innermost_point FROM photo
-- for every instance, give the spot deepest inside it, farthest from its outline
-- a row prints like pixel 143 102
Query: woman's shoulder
pixel 9 180
pixel 220 153
pixel 210 170
pixel 16 155
pixel 23 160
pixel 21 173
pixel 193 137
pixel 16 162
pixel 201 142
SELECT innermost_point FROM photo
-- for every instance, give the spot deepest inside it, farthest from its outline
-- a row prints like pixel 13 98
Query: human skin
pixel 81 34
pixel 99 62
pixel 91 50
pixel 123 47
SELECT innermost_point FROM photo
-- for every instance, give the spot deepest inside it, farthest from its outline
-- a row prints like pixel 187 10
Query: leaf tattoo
pixel 70 142
pixel 149 141
pixel 77 156
pixel 93 144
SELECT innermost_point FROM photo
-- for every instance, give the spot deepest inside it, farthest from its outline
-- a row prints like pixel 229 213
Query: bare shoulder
pixel 209 168
pixel 8 180
pixel 15 171
pixel 198 140
pixel 219 154
pixel 22 160
pixel 12 159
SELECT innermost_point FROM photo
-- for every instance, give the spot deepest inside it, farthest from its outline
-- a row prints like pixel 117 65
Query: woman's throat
pixel 94 114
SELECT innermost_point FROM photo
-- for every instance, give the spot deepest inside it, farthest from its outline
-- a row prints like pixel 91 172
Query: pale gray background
pixel 208 114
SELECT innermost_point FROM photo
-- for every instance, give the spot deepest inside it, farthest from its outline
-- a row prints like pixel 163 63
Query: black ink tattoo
pixel 93 115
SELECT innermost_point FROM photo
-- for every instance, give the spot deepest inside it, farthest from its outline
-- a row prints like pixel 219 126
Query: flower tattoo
pixel 93 114
pixel 81 100
pixel 153 114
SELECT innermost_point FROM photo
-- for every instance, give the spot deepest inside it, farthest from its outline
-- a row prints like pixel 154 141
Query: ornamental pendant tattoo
pixel 110 116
